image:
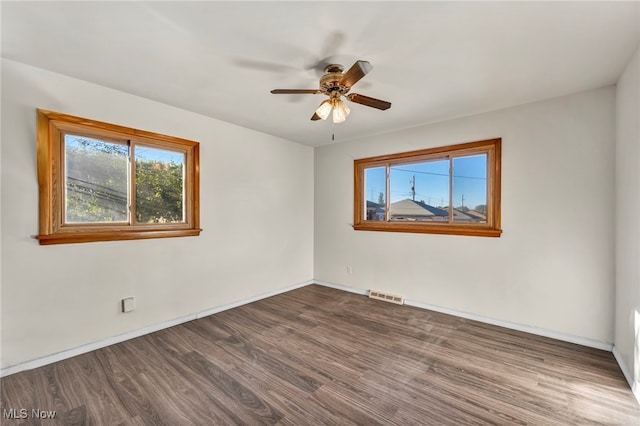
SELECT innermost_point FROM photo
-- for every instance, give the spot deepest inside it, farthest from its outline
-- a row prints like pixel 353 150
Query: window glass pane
pixel 159 185
pixel 96 180
pixel 375 182
pixel 470 188
pixel 420 192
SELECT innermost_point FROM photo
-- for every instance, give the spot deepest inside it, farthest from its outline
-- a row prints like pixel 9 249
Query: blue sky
pixel 159 155
pixel 432 181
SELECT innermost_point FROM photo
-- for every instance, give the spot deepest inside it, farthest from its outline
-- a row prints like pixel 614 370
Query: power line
pixel 439 174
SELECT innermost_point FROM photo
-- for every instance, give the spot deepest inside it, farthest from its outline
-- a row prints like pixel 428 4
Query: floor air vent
pixel 387 297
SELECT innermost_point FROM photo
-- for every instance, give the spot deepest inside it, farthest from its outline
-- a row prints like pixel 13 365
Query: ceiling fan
pixel 336 84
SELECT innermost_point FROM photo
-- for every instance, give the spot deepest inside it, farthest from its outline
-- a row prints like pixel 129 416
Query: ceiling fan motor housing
pixel 330 81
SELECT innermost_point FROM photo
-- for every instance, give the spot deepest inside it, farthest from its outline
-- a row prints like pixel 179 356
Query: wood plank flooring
pixel 321 356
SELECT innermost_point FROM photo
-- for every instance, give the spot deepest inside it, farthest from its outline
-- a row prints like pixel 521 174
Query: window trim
pixel 51 126
pixel 493 149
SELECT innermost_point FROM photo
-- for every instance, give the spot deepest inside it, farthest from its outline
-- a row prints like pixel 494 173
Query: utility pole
pixel 413 188
pixel 462 200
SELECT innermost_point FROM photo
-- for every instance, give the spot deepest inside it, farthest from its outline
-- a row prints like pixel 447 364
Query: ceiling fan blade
pixel 355 73
pixel 370 102
pixel 295 91
pixel 315 117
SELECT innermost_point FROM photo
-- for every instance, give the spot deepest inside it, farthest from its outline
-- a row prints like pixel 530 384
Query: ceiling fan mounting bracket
pixel 331 68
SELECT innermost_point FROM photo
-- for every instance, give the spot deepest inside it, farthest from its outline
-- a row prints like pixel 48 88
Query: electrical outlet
pixel 128 304
pixel 349 270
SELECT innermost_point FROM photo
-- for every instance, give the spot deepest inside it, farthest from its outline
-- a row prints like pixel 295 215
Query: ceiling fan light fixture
pixel 340 111
pixel 324 109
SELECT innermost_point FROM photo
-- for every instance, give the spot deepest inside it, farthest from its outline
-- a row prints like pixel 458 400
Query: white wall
pixel 627 179
pixel 256 212
pixel 553 266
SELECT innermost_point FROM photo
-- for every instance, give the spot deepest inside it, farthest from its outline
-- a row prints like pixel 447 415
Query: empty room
pixel 304 213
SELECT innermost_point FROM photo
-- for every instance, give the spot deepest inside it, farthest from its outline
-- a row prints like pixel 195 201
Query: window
pixel 447 190
pixel 102 182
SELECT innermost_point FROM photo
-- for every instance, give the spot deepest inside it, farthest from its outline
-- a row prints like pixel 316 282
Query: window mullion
pixel 489 185
pixel 61 160
pixel 450 188
pixel 388 193
pixel 132 184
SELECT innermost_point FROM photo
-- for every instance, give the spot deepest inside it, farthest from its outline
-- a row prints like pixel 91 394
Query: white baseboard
pixel 625 371
pixel 514 326
pixel 342 287
pixel 212 311
pixel 59 356
pixel 635 387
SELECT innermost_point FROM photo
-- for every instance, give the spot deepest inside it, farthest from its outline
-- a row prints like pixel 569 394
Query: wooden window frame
pixel 51 127
pixel 491 147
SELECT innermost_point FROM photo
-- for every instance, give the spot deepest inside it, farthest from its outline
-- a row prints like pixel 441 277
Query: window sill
pixel 87 237
pixel 474 231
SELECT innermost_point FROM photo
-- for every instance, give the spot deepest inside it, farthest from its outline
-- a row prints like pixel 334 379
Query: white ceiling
pixel 433 61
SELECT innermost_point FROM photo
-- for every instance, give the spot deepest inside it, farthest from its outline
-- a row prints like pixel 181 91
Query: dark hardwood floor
pixel 322 356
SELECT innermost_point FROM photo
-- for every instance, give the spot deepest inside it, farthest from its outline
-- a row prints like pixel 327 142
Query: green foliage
pixel 159 192
pixel 380 198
